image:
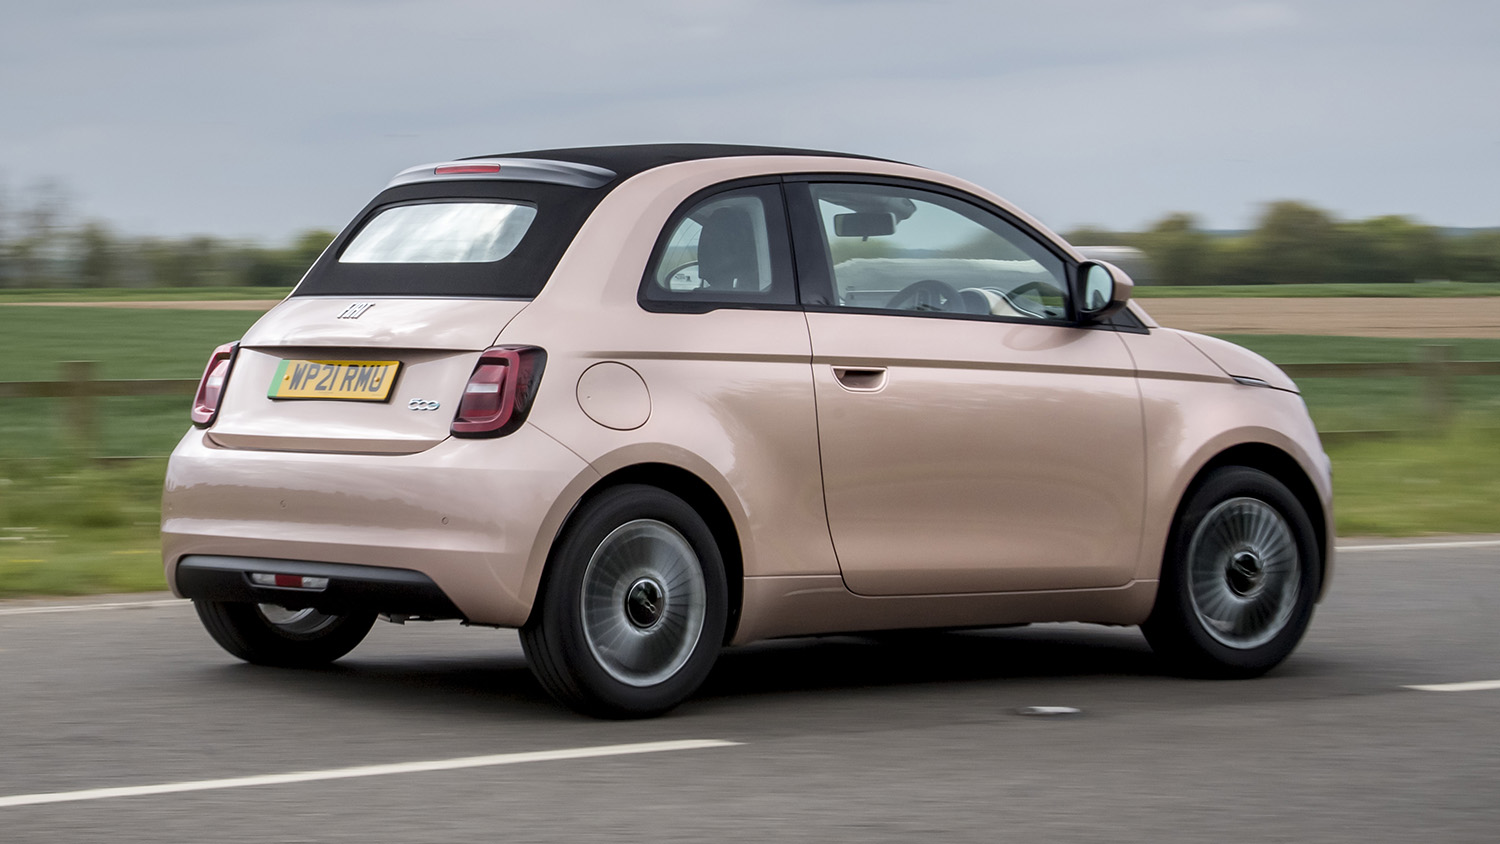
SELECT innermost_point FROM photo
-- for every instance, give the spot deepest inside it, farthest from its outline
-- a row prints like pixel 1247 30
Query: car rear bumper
pixel 473 517
pixel 343 587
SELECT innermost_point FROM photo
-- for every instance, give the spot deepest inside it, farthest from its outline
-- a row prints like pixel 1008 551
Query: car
pixel 643 403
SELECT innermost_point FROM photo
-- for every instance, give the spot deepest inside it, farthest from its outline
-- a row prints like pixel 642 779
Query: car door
pixel 972 437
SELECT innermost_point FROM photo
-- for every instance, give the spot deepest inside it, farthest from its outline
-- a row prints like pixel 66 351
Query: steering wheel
pixel 929 294
pixel 689 265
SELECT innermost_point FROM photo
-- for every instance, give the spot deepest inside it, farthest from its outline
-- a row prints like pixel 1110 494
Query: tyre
pixel 1239 580
pixel 266 634
pixel 633 606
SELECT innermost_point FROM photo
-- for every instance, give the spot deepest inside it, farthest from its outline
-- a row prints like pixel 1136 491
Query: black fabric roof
pixel 637 158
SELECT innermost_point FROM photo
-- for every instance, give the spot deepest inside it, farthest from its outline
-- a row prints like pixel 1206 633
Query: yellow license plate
pixel 350 380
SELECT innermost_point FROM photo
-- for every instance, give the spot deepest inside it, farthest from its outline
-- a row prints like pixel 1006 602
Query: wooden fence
pixel 80 387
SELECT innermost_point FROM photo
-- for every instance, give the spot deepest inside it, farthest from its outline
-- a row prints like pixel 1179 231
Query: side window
pixel 728 249
pixel 909 250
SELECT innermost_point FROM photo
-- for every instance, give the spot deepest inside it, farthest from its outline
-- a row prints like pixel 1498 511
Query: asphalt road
pixel 837 739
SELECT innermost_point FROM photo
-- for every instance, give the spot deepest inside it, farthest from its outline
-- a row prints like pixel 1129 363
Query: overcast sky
pixel 259 119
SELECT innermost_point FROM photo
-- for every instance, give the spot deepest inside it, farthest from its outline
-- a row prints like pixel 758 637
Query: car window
pixel 914 251
pixel 440 233
pixel 730 248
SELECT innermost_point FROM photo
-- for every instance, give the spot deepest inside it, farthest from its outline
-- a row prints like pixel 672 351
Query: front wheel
pixel 633 608
pixel 266 634
pixel 1240 578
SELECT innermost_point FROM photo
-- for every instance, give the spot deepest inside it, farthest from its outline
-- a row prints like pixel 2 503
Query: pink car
pixel 644 403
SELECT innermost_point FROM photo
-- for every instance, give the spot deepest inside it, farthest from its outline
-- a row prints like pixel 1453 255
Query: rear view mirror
pixel 1103 289
pixel 865 224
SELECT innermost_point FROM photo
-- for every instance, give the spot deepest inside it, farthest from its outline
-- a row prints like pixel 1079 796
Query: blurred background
pixel 1315 180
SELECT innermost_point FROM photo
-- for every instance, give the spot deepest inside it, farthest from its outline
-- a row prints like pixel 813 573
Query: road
pixel 837 739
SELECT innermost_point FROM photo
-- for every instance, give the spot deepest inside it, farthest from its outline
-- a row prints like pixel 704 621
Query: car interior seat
pixel 726 251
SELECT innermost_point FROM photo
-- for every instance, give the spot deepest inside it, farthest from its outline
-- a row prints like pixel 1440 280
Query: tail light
pixel 211 388
pixel 499 393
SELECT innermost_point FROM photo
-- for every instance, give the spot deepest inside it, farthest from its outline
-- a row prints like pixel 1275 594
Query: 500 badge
pixel 422 404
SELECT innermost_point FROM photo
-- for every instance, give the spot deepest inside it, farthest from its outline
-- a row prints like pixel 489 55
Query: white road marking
pixel 1421 546
pixel 117 605
pixel 367 771
pixel 1471 686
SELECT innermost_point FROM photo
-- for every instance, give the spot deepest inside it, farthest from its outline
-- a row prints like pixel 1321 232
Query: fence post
pixel 82 422
pixel 1437 383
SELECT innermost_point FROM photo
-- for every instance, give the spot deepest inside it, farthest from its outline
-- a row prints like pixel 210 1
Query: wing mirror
pixel 1103 289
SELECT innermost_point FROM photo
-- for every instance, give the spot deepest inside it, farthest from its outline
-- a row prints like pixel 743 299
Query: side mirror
pixel 1103 289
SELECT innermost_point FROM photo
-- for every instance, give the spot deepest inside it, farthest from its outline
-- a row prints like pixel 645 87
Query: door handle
pixel 860 379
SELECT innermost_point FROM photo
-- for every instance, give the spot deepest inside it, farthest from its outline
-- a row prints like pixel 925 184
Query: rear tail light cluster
pixel 211 387
pixel 500 392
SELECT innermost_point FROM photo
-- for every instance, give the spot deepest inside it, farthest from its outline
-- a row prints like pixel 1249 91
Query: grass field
pixel 1379 404
pixel 1424 290
pixel 69 526
pixel 143 294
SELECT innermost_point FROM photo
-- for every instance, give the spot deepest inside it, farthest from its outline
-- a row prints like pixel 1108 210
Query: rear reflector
pixel 211 387
pixel 289 581
pixel 499 394
pixel 462 169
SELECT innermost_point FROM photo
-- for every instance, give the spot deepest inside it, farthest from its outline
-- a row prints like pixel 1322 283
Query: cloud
pixel 262 117
pixel 1250 17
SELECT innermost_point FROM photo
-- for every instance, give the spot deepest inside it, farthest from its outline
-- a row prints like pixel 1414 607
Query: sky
pixel 258 119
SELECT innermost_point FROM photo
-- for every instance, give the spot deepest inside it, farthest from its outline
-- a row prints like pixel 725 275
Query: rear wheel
pixel 1239 580
pixel 266 634
pixel 632 611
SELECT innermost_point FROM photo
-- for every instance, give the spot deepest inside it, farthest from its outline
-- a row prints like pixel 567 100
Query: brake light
pixel 500 391
pixel 462 169
pixel 211 387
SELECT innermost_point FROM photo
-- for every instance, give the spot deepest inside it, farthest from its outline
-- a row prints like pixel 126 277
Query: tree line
pixel 41 245
pixel 1296 243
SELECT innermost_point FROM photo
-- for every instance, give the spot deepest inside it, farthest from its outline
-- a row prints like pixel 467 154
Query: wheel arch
pixel 1284 468
pixel 701 497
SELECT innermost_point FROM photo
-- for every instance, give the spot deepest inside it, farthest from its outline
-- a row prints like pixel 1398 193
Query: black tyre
pixel 632 609
pixel 270 635
pixel 1239 580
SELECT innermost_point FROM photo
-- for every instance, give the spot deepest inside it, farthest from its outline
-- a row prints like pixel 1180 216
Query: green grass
pixel 71 529
pixel 127 342
pixel 1424 290
pixel 68 526
pixel 1379 404
pixel 1445 481
pixel 143 294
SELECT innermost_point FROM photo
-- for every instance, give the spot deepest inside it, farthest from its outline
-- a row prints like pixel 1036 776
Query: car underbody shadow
pixel 930 656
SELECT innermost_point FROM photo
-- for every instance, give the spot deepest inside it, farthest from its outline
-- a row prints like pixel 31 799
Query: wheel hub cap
pixel 1245 573
pixel 642 602
pixel 645 602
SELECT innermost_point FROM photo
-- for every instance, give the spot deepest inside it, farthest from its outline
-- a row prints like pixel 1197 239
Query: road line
pixel 1420 546
pixel 117 605
pixel 367 771
pixel 1471 686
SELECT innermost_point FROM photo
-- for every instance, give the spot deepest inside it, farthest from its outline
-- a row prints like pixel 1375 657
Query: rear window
pixel 454 239
pixel 441 233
